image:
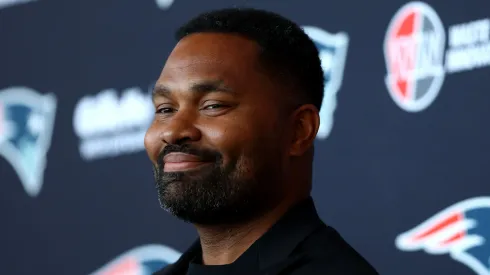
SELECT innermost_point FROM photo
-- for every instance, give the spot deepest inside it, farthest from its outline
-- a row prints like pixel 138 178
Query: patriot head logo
pixel 143 260
pixel 333 52
pixel 26 126
pixel 414 52
pixel 461 230
pixel 164 4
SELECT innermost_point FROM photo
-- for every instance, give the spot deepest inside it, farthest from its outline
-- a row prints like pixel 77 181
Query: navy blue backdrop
pixel 401 167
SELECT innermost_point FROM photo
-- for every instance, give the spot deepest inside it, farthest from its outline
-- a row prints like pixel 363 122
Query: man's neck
pixel 224 244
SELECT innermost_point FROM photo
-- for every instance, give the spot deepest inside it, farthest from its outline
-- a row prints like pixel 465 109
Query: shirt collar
pixel 283 237
pixel 277 243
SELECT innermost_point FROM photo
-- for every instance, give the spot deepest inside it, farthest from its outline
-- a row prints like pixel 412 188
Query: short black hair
pixel 286 50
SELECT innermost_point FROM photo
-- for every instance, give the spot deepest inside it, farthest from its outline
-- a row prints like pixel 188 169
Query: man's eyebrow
pixel 204 86
pixel 160 91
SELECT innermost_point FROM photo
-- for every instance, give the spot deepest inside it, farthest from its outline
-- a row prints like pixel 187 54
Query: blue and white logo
pixel 9 3
pixel 26 126
pixel 164 4
pixel 333 52
pixel 142 260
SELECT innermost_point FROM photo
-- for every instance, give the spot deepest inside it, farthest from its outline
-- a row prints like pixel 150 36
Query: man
pixel 237 107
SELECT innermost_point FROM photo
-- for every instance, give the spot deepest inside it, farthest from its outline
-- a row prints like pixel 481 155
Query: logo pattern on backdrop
pixel 164 4
pixel 461 230
pixel 26 125
pixel 110 125
pixel 9 3
pixel 333 52
pixel 414 52
pixel 416 60
pixel 143 260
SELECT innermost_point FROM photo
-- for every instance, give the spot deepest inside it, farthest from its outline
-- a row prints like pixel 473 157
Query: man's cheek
pixel 152 145
pixel 227 134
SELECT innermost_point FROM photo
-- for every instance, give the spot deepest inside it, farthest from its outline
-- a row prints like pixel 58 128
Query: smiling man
pixel 237 107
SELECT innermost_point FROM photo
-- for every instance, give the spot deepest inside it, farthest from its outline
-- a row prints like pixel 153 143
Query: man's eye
pixel 213 106
pixel 164 110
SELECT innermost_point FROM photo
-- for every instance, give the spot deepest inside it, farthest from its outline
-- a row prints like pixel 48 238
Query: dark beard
pixel 213 195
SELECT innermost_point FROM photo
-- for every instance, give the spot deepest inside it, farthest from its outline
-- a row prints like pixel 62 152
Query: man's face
pixel 218 140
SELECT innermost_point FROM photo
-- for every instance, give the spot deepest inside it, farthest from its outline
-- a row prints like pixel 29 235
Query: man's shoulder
pixel 322 268
pixel 164 270
pixel 326 252
pixel 323 251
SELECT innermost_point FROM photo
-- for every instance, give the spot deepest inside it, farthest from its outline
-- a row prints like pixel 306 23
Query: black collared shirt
pixel 299 243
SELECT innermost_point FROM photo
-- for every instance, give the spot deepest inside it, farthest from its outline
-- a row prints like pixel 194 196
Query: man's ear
pixel 306 121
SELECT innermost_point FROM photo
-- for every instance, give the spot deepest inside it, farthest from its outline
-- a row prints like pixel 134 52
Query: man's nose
pixel 180 129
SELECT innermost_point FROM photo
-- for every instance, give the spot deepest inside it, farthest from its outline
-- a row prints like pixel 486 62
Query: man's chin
pixel 206 219
pixel 196 175
pixel 206 213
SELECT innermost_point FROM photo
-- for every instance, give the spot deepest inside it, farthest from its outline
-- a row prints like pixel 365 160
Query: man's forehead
pixel 216 40
pixel 211 55
pixel 214 48
pixel 193 62
pixel 194 68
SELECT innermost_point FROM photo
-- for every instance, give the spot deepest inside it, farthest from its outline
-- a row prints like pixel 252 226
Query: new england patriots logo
pixel 143 260
pixel 333 52
pixel 26 126
pixel 462 230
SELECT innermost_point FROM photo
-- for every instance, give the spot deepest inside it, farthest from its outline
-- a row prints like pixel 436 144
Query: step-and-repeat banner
pixel 402 163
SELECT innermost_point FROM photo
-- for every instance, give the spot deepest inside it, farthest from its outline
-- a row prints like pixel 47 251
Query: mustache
pixel 205 155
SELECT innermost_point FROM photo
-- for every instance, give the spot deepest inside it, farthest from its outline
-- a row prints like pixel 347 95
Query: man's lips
pixel 177 162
